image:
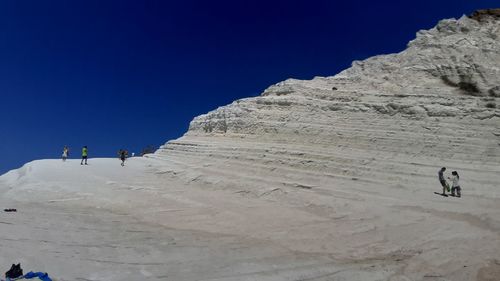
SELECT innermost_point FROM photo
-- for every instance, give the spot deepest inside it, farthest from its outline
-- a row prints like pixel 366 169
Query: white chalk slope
pixel 328 179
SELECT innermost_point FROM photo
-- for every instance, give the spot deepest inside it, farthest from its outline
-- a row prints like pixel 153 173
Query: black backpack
pixel 14 271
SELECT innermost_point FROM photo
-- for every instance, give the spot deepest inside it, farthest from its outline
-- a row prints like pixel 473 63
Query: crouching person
pixel 455 186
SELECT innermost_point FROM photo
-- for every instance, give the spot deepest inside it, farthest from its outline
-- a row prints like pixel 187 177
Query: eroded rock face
pixel 435 104
pixel 486 14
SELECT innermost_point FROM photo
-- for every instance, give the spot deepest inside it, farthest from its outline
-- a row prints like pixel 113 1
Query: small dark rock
pixel 491 105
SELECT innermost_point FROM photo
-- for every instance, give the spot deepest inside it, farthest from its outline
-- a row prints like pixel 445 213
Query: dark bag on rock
pixel 14 271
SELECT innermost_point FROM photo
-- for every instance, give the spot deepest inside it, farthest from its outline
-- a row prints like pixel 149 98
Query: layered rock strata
pixel 388 120
pixel 327 179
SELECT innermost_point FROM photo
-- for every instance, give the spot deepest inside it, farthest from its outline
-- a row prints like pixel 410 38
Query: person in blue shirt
pixel 442 180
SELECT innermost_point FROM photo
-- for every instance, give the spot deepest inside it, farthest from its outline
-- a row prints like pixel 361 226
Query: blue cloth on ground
pixel 41 275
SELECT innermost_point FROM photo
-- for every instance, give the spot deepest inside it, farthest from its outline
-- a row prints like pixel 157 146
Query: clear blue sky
pixel 126 74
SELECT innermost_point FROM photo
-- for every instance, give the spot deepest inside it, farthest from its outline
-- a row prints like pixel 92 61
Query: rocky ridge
pixel 437 103
pixel 361 150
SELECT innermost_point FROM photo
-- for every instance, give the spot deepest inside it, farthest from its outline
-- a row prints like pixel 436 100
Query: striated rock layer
pixel 388 120
pixel 327 179
pixel 361 150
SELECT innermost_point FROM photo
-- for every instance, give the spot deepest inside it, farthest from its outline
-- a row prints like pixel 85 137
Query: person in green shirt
pixel 84 155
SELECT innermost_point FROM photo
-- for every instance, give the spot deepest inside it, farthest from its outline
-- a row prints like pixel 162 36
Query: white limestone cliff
pixel 327 179
pixel 437 103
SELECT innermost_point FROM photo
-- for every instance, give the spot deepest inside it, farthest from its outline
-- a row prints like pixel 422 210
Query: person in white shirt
pixel 455 185
pixel 65 153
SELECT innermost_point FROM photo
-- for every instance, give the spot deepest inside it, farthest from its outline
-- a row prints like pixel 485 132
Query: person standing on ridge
pixel 122 153
pixel 443 182
pixel 84 155
pixel 65 153
pixel 454 184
